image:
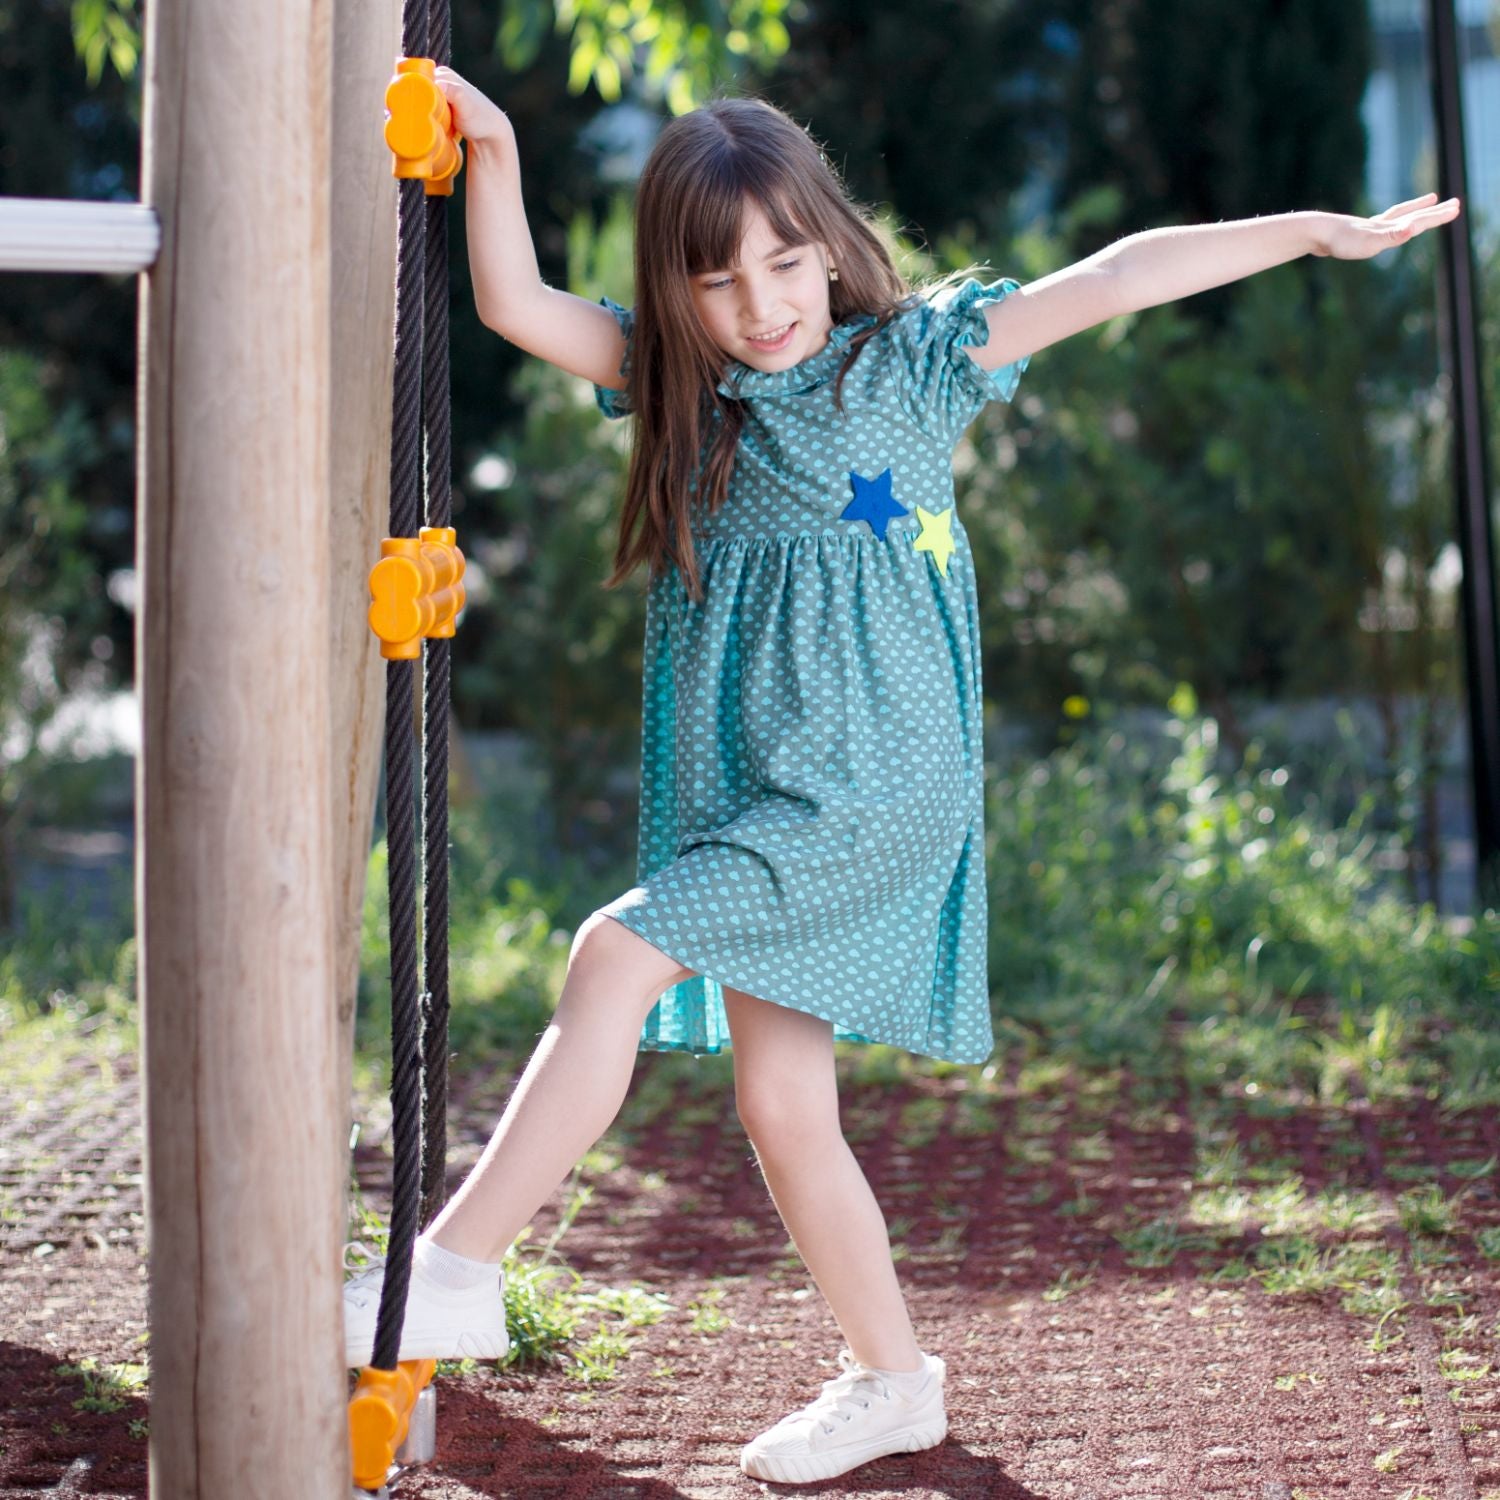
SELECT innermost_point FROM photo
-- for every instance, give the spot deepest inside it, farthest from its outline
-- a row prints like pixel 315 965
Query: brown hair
pixel 690 206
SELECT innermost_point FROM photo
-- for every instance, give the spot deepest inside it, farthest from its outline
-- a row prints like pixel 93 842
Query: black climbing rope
pixel 419 402
pixel 437 658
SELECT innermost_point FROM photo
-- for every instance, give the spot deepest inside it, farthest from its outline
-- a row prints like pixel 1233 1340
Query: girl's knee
pixel 785 1083
pixel 779 1119
pixel 607 946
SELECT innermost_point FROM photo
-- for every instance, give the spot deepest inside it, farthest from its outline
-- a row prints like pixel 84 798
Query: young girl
pixel 811 856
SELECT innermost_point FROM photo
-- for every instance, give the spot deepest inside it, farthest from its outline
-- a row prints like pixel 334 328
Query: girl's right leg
pixel 568 1095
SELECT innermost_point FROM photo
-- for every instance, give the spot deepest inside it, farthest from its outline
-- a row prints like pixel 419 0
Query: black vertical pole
pixel 1470 453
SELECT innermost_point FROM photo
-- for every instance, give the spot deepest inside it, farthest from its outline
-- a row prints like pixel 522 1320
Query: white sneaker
pixel 858 1417
pixel 440 1322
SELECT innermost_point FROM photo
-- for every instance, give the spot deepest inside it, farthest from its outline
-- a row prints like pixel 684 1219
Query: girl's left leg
pixel 787 1097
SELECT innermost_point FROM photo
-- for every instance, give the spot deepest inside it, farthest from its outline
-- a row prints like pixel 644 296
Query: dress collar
pixel 743 381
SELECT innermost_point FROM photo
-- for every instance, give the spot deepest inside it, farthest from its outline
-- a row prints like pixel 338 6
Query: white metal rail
pixel 56 234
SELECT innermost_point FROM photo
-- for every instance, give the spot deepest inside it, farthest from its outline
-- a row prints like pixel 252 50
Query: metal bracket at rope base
pixel 419 127
pixel 417 589
pixel 421 1432
pixel 392 1418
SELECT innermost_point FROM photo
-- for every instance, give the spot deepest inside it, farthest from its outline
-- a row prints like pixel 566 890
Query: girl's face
pixel 776 289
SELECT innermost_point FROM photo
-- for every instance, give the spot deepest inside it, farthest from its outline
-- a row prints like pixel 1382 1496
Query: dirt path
pixel 1101 1340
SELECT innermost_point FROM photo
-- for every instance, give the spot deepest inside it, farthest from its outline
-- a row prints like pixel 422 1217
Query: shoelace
pixel 368 1279
pixel 846 1390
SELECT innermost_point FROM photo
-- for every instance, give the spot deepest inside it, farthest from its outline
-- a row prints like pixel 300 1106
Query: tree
pixel 59 139
pixel 925 105
pixel 51 599
pixel 1194 113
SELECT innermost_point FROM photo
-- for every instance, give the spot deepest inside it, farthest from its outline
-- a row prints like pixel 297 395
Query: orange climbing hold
pixel 379 1413
pixel 419 127
pixel 417 591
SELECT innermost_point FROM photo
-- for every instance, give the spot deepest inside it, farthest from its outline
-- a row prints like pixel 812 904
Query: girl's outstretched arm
pixel 582 337
pixel 1160 265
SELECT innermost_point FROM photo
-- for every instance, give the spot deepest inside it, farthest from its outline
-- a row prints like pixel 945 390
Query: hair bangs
pixel 715 230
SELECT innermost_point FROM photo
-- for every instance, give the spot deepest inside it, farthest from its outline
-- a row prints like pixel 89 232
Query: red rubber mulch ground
pixel 1048 1254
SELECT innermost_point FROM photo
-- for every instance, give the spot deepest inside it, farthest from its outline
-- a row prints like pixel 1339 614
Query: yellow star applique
pixel 936 536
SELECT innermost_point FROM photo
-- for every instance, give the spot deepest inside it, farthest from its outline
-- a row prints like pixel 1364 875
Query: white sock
pixel 906 1380
pixel 456 1272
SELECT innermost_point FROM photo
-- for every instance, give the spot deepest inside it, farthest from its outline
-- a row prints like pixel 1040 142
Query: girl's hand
pixel 476 117
pixel 1348 237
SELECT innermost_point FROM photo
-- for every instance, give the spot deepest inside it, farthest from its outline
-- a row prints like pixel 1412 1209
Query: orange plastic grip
pixel 419 126
pixel 379 1414
pixel 416 591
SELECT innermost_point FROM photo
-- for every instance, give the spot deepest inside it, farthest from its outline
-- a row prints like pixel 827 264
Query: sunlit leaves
pixel 679 50
pixel 106 29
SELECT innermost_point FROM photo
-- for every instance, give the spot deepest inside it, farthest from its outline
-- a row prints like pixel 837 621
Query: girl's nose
pixel 759 300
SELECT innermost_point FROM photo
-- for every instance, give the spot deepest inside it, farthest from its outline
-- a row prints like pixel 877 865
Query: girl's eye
pixel 785 265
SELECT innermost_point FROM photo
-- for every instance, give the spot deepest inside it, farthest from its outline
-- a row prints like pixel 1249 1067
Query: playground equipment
pixel 256 787
pixel 420 128
pixel 417 592
pixel 392 1423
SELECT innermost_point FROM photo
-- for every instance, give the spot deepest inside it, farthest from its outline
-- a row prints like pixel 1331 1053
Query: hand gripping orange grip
pixel 417 590
pixel 419 127
pixel 379 1413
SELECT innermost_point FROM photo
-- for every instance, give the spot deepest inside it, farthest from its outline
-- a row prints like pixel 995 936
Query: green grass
pixel 1283 1206
pixel 106 1388
pixel 1133 891
pixel 1159 1241
pixel 1066 1283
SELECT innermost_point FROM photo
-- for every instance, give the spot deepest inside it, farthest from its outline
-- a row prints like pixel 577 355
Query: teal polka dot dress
pixel 812 783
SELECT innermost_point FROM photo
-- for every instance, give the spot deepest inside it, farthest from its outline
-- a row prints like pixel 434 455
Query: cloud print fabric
pixel 812 813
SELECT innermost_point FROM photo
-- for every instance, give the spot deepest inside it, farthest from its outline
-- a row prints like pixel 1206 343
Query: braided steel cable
pixel 400 755
pixel 437 679
pixel 406 1069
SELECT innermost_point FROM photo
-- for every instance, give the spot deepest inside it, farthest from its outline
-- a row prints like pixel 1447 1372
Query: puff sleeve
pixel 611 402
pixel 947 389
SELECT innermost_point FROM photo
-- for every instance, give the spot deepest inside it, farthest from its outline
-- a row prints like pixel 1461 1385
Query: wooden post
pixel 245 1140
pixel 366 43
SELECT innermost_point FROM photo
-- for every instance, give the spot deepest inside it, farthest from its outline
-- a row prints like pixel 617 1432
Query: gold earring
pixel 833 273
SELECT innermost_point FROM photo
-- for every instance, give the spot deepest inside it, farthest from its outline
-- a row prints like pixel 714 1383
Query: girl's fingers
pixel 1448 208
pixel 1401 208
pixel 1429 218
pixel 1440 213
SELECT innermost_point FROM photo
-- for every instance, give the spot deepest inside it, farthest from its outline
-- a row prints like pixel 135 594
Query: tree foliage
pixel 679 51
pixel 1193 113
pixel 52 601
pixel 924 105
pixel 107 30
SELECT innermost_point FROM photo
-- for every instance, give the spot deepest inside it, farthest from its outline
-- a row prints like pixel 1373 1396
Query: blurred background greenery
pixel 1214 540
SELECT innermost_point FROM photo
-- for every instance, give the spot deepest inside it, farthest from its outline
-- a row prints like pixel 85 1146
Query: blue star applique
pixel 873 502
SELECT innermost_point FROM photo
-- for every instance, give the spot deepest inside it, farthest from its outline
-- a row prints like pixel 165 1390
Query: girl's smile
pixel 770 310
pixel 776 340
